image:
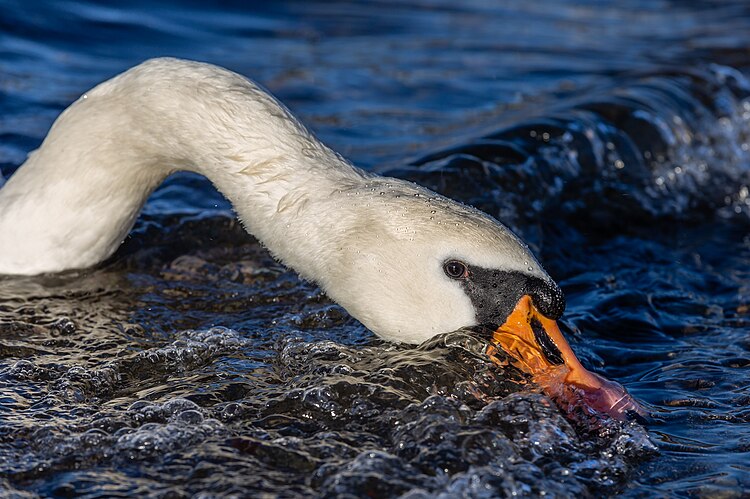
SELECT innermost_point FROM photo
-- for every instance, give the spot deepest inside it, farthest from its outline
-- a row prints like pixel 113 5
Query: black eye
pixel 455 269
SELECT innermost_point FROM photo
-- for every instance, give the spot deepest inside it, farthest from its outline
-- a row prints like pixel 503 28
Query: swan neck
pixel 74 200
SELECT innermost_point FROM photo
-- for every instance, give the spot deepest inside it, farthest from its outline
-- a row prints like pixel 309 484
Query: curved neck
pixel 75 199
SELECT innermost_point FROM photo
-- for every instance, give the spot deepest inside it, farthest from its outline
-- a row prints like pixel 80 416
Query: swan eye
pixel 455 269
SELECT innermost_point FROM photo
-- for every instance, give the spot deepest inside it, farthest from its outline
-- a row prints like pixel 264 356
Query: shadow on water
pixel 193 363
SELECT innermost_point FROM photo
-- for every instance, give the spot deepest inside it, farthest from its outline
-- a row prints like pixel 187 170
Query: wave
pixel 659 145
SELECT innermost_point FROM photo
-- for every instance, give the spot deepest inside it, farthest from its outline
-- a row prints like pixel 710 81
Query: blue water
pixel 613 136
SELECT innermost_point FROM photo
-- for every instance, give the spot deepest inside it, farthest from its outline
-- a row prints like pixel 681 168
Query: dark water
pixel 613 136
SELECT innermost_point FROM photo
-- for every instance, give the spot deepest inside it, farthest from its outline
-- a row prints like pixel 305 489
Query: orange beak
pixel 537 347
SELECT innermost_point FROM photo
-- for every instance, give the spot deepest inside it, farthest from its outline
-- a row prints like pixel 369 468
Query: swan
pixel 406 262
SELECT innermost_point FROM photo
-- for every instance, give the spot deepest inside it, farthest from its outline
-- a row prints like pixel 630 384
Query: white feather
pixel 376 245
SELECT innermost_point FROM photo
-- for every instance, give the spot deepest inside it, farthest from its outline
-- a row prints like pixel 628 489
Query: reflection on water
pixel 612 138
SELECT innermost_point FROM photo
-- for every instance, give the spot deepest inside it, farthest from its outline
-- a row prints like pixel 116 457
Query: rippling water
pixel 613 136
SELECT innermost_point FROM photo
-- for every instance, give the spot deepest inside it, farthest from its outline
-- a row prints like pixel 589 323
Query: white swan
pixel 406 262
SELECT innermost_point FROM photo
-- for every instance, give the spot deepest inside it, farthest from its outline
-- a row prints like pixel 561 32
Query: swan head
pixel 415 264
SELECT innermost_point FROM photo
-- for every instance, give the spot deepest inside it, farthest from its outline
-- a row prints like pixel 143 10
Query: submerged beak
pixel 537 347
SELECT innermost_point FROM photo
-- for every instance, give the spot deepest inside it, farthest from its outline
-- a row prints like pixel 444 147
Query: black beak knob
pixel 547 297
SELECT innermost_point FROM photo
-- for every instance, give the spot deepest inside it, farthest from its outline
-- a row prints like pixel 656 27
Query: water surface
pixel 612 136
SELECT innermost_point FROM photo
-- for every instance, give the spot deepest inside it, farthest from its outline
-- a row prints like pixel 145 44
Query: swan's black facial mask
pixel 495 294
